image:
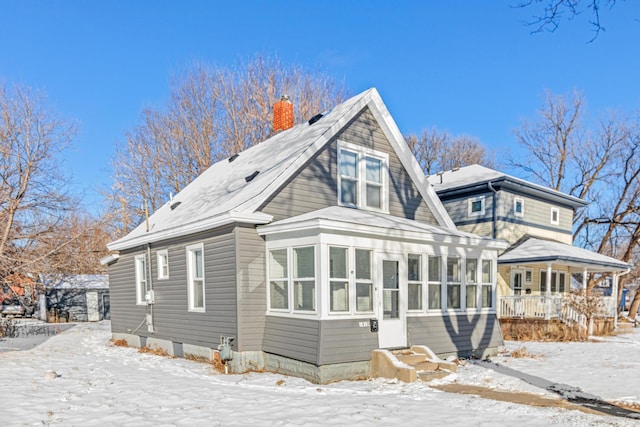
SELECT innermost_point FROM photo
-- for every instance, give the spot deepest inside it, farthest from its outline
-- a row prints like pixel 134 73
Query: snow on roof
pixel 477 174
pixel 223 194
pixel 538 250
pixel 354 220
pixel 68 281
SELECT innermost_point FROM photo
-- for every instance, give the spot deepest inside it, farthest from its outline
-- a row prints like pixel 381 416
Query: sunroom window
pixel 487 283
pixel 471 275
pixel 414 281
pixel 435 282
pixel 364 282
pixel 279 280
pixel 338 279
pixel 304 281
pixel 453 282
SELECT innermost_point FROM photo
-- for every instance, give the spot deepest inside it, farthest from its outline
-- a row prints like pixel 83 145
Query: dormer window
pixel 476 206
pixel 362 177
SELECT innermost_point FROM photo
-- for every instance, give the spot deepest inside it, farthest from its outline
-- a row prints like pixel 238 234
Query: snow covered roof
pixel 75 281
pixel 230 191
pixel 477 175
pixel 338 218
pixel 533 250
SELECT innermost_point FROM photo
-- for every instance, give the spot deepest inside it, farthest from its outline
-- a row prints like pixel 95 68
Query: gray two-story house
pixel 535 272
pixel 310 249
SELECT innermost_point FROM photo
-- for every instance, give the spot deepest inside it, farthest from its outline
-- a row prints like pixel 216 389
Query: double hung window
pixel 453 282
pixel 292 279
pixel 471 275
pixel 338 279
pixel 362 176
pixel 141 278
pixel 195 267
pixel 414 281
pixel 364 282
pixel 435 282
pixel 487 283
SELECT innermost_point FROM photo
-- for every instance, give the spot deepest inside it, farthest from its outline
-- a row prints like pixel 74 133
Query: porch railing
pixel 539 307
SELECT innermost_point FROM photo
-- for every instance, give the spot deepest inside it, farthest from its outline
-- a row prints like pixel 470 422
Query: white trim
pixel 362 153
pixel 141 258
pixel 515 207
pixel 557 212
pixel 159 256
pixel 470 203
pixel 109 259
pixel 190 250
pixel 256 218
pixel 382 232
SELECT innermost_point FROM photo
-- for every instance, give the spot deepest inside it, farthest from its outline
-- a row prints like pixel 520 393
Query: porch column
pixel 547 314
pixel 614 294
pixel 584 281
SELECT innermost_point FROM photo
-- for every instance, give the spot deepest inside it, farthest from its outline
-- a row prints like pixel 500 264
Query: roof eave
pixel 255 218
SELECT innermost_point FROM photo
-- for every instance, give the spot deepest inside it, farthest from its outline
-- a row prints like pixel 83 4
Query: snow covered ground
pixel 97 383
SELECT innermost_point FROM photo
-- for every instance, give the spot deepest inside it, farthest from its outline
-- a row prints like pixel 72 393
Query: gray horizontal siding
pixel 293 338
pixel 172 320
pixel 464 333
pixel 252 294
pixel 314 186
pixel 458 209
pixel 343 341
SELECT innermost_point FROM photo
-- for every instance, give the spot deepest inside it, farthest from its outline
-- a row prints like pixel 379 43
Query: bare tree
pixel 595 160
pixel 33 196
pixel 212 113
pixel 437 151
pixel 554 11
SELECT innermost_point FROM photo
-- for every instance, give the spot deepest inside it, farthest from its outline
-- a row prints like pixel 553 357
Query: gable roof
pixel 534 250
pixel 224 194
pixel 475 177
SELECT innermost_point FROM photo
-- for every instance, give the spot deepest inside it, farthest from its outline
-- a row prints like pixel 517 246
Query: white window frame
pixel 472 282
pixel 362 153
pixel 345 281
pixel 555 221
pixel 454 283
pixel 419 282
pixel 436 284
pixel 471 201
pixel 142 274
pixel 556 285
pixel 368 281
pixel 490 284
pixel 291 279
pixel 190 253
pixel 515 207
pixel 162 258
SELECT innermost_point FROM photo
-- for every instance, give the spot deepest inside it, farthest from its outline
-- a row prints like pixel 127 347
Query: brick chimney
pixel 282 114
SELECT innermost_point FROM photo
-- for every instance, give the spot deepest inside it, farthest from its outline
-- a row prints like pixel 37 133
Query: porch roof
pixel 359 221
pixel 531 250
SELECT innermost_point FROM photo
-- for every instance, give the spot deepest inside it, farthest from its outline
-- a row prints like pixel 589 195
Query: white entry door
pixel 391 287
pixel 93 312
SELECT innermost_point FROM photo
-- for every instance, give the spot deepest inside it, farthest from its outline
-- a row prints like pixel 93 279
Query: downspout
pixel 149 298
pixel 493 204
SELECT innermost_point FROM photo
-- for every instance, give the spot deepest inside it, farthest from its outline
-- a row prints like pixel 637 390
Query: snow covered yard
pixel 101 384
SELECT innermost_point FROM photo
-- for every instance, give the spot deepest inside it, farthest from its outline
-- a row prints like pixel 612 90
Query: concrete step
pixel 411 359
pixel 408 365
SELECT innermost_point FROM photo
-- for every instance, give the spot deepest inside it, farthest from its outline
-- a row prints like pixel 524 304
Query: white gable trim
pixel 408 160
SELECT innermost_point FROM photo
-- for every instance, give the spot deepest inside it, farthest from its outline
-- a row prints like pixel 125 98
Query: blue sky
pixel 469 67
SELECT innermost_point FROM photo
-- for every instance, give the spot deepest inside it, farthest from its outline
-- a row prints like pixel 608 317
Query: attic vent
pixel 175 205
pixel 314 119
pixel 250 177
pixel 232 158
